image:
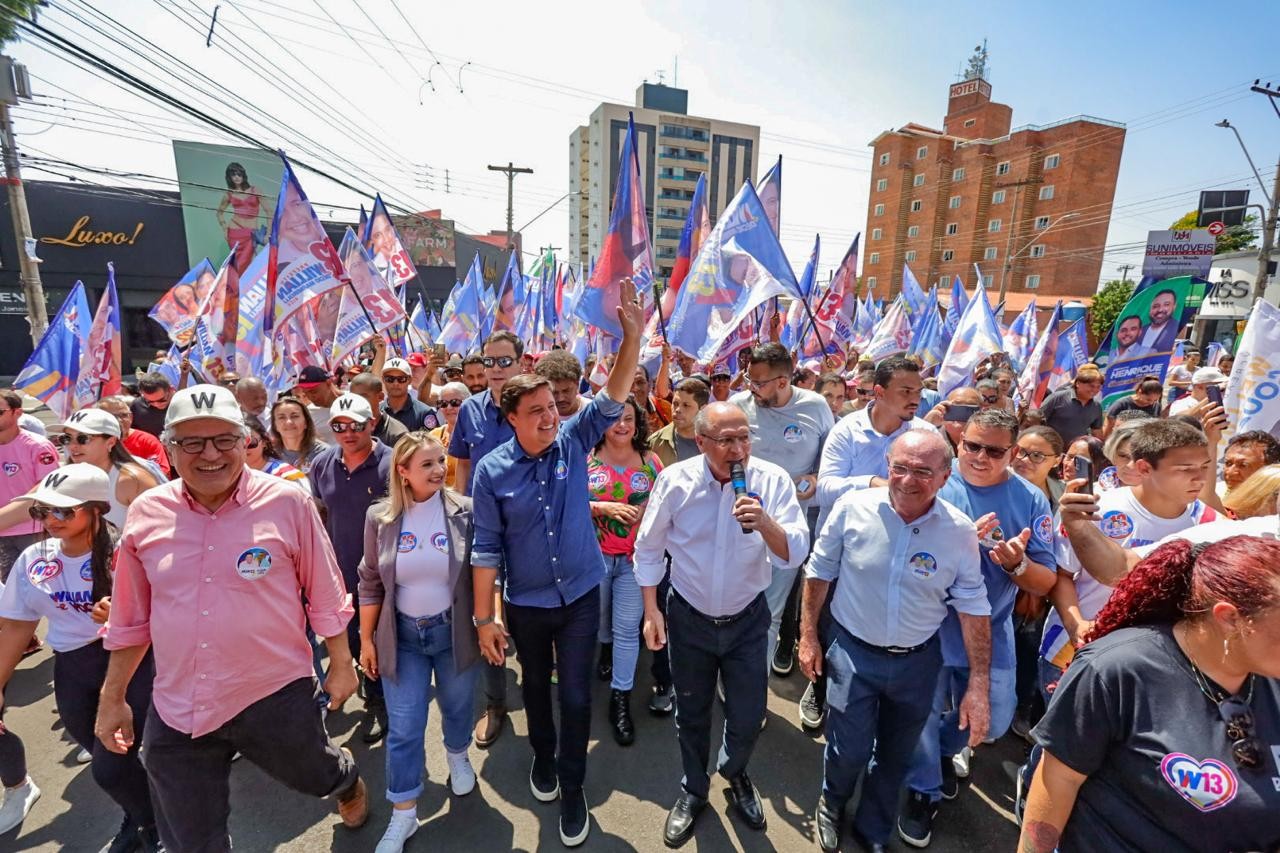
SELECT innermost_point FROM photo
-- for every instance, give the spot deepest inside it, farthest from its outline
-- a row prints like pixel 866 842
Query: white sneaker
pixel 960 761
pixel 17 803
pixel 462 777
pixel 404 823
pixel 84 756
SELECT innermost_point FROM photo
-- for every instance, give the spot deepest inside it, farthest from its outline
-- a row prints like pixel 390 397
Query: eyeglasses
pixel 728 441
pixel 990 451
pixel 450 404
pixel 353 427
pixel 62 440
pixel 39 512
pixel 502 361
pixel 1246 749
pixel 865 392
pixel 1035 457
pixel 395 380
pixel 907 471
pixel 194 445
pixel 751 383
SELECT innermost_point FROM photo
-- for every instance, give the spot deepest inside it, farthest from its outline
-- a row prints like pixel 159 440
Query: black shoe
pixel 127 840
pixel 624 731
pixel 915 825
pixel 663 700
pixel 680 819
pixel 150 837
pixel 868 845
pixel 810 710
pixel 950 782
pixel 374 725
pixel 746 801
pixel 784 659
pixel 604 667
pixel 543 781
pixel 828 820
pixel 575 819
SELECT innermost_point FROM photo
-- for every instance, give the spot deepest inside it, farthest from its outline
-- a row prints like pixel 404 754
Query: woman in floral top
pixel 620 475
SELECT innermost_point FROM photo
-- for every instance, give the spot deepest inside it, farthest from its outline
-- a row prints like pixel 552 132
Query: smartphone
pixel 959 413
pixel 440 352
pixel 1215 394
pixel 1084 470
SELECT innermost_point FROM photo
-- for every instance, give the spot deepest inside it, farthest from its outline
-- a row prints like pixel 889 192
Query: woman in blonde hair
pixel 1255 496
pixel 415 619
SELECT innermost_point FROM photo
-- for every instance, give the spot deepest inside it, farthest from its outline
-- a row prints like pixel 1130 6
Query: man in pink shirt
pixel 24 460
pixel 216 572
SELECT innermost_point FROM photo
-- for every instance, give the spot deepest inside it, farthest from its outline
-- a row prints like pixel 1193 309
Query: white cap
pixel 92 422
pixel 72 485
pixel 398 364
pixel 1208 376
pixel 203 401
pixel 351 406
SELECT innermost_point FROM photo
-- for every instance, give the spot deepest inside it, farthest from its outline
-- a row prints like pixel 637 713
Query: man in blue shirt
pixel 414 415
pixel 533 519
pixel 1015 534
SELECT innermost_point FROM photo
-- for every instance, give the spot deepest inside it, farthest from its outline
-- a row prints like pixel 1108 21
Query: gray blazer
pixel 378 580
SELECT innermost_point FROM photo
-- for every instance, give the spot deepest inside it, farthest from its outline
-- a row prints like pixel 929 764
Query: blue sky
pixel 820 78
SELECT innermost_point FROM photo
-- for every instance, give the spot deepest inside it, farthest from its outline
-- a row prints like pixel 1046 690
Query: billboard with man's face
pixel 228 195
pixel 1146 331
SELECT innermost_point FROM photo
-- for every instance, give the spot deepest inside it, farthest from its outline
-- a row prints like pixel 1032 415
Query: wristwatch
pixel 1017 570
pixel 480 623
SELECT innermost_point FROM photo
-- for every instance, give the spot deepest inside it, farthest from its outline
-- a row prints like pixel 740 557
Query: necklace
pixel 1202 681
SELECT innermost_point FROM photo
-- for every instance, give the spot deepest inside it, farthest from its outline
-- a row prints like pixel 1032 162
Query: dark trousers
pixel 660 664
pixel 702 649
pixel 1026 648
pixel 13 758
pixel 564 639
pixel 282 733
pixel 77 679
pixel 370 688
pixel 877 705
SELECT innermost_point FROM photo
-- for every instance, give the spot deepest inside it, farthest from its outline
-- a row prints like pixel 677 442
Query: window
pixel 917 181
pixel 879 210
pixel 957 174
pixel 989 253
pixel 947 254
pixel 1042 222
pixel 916 205
pixel 882 185
pixel 911 255
pixel 987 280
pixel 1052 161
pixel 993 226
pixel 1002 168
pixel 913 231
pixel 997 197
pixel 874 259
pixel 877 233
pixel 884 159
pixel 1033 282
pixel 970 122
pixel 871 283
pixel 953 228
pixel 922 152
pixel 1037 251
pixel 954 203
pixel 1046 192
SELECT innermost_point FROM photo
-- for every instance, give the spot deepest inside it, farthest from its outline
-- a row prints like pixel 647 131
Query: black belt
pixel 896 651
pixel 718 621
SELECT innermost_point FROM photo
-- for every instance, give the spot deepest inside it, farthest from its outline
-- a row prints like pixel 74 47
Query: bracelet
pixel 480 623
pixel 1018 570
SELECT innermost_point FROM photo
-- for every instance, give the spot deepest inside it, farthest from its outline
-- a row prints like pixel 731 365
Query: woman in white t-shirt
pixel 416 621
pixel 66 580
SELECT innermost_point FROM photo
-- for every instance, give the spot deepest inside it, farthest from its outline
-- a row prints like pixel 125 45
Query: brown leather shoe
pixel 354 808
pixel 489 727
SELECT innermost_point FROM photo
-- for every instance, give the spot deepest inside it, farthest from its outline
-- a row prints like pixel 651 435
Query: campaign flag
pixel 697 225
pixel 959 299
pixel 739 266
pixel 380 237
pixel 912 291
pixel 509 295
pixel 369 304
pixel 892 335
pixel 362 224
pixel 1145 332
pixel 1252 399
pixel 1071 353
pixel 420 324
pixel 926 334
pixel 252 357
pixel 50 373
pixel 303 264
pixel 1033 381
pixel 834 313
pixel 864 323
pixel 1021 337
pixel 770 192
pixel 209 334
pixel 526 326
pixel 549 319
pixel 797 317
pixel 1213 353
pixel 461 326
pixel 981 279
pixel 177 310
pixel 99 374
pixel 626 252
pixel 977 336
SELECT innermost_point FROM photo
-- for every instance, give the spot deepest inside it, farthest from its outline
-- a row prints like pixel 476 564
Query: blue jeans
pixel 422 648
pixel 877 705
pixel 942 736
pixel 1047 676
pixel 621 607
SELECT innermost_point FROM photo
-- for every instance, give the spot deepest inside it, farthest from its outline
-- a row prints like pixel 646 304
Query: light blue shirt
pixel 897 578
pixel 854 453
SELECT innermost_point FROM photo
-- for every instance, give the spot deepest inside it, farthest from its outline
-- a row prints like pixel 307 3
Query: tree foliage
pixel 1234 239
pixel 11 11
pixel 1107 305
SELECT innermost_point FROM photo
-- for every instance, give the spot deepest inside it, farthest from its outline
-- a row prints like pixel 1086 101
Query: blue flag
pixel 1021 337
pixel 797 316
pixel 959 299
pixel 461 332
pixel 51 372
pixel 977 337
pixel 912 291
pixel 926 335
pixel 770 192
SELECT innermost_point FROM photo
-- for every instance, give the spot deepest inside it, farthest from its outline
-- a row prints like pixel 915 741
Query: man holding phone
pixel 1206 384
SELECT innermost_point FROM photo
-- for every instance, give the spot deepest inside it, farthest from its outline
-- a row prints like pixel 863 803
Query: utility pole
pixel 13 84
pixel 511 170
pixel 1269 223
pixel 1124 271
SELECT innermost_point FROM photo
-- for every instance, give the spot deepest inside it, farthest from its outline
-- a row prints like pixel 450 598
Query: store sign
pixel 13 303
pixel 82 233
pixel 1182 252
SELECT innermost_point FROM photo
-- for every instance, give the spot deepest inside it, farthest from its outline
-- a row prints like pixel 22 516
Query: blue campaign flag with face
pixel 51 372
pixel 1021 337
pixel 797 316
pixel 912 291
pixel 461 332
pixel 977 337
pixel 959 299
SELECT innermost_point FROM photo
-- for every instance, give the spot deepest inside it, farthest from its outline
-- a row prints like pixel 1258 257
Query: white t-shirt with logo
pixel 45 583
pixel 1125 521
pixel 422 561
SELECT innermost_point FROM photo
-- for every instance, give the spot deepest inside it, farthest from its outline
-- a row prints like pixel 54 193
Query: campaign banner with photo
pixel 227 195
pixel 179 308
pixel 369 305
pixel 1146 331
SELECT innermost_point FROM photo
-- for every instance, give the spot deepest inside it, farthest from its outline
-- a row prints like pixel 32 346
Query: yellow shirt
pixel 442 434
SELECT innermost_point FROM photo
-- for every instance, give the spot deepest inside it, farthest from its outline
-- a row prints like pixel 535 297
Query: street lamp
pixel 1229 126
pixel 1008 261
pixel 1269 217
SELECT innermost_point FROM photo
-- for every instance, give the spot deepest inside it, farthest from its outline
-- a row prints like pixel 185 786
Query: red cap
pixel 416 359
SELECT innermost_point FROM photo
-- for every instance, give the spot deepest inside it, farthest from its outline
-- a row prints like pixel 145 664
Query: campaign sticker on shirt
pixel 992 539
pixel 1109 478
pixel 440 542
pixel 792 433
pixel 1043 527
pixel 597 480
pixel 11 468
pixel 86 570
pixel 1208 785
pixel 253 563
pixel 640 482
pixel 923 564
pixel 40 571
pixel 561 470
pixel 46 458
pixel 1116 525
pixel 407 543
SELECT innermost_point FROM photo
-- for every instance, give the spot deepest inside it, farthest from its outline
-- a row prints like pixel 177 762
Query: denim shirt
pixel 479 429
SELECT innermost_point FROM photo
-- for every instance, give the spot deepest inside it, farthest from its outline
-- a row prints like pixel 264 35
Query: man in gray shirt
pixel 788 428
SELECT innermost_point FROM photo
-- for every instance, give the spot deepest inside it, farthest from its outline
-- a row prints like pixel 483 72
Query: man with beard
pixel 473 374
pixel 1163 330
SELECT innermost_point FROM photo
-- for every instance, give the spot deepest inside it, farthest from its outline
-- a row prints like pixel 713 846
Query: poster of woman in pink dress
pixel 239 213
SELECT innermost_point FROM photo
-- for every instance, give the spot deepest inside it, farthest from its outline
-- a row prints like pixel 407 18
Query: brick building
pixel 1030 206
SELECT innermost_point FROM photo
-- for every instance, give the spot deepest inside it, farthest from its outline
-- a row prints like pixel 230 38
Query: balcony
pixel 682 175
pixel 686 156
pixel 669 233
pixel 672 131
pixel 665 253
pixel 675 195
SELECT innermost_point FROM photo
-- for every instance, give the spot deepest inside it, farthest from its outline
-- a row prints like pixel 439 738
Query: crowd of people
pixel 1104 584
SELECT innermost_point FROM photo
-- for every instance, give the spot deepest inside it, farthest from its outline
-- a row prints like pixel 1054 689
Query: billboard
pixel 1182 252
pixel 429 242
pixel 1146 332
pixel 228 195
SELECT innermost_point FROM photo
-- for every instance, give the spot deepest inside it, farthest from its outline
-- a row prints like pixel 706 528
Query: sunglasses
pixel 503 361
pixel 228 383
pixel 450 404
pixel 990 451
pixel 1246 749
pixel 250 444
pixel 990 401
pixel 39 512
pixel 62 439
pixel 341 428
pixel 395 380
pixel 865 392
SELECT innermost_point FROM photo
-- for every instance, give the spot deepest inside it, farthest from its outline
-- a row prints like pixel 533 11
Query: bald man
pixel 251 394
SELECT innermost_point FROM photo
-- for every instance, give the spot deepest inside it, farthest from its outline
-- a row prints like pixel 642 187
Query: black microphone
pixel 738 479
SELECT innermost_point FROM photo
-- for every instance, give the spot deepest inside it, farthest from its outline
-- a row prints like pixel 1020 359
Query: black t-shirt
pixel 147 417
pixel 1126 404
pixel 1129 715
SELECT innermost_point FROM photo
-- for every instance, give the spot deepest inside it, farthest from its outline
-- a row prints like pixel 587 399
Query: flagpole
pixel 363 310
pixel 813 324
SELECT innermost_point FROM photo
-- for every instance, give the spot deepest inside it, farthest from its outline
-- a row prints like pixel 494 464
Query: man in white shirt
pixel 721 545
pixel 1200 382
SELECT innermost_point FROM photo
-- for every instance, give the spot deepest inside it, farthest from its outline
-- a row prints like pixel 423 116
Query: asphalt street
pixel 629 789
